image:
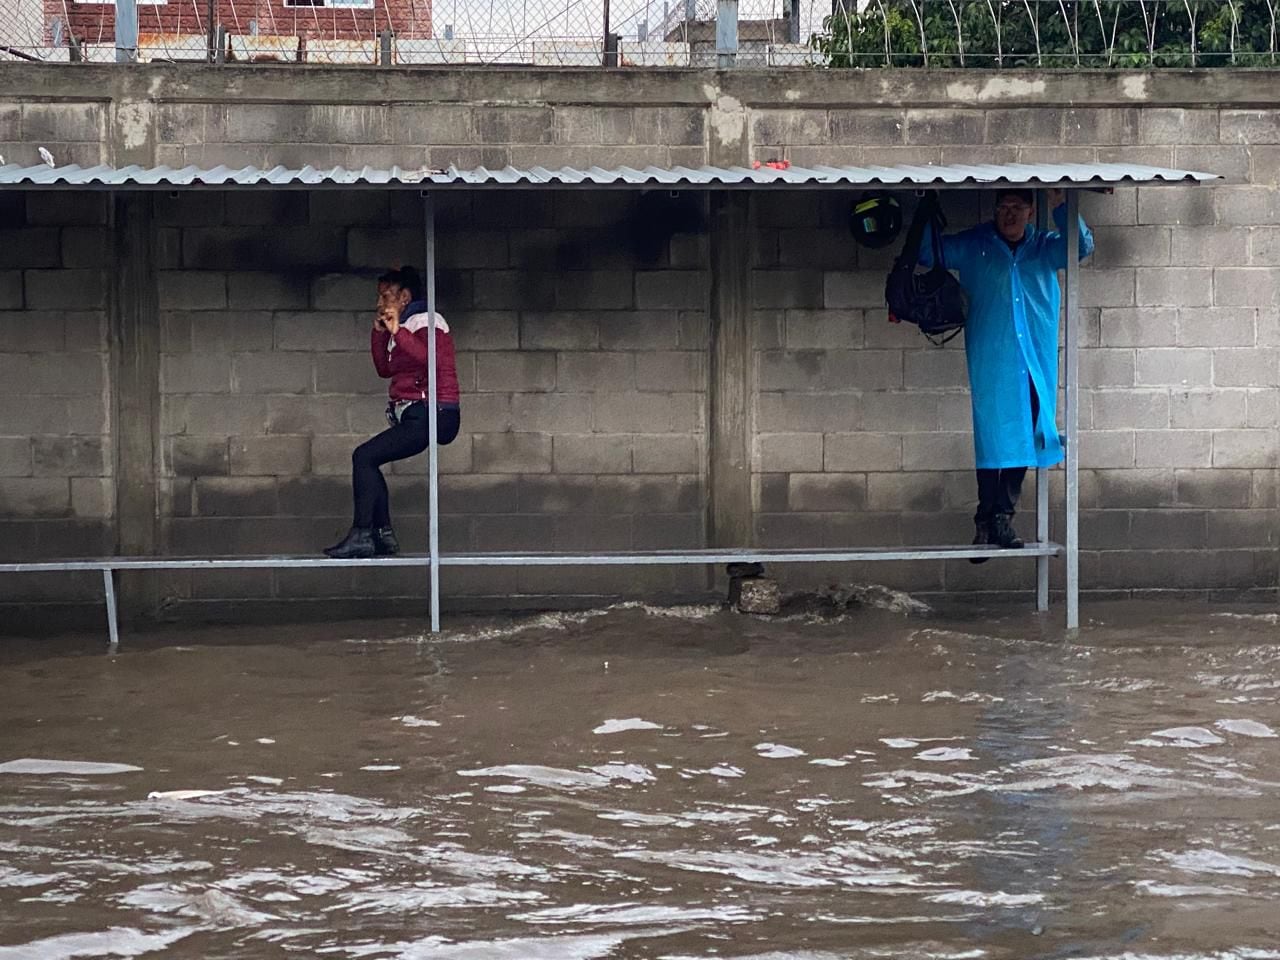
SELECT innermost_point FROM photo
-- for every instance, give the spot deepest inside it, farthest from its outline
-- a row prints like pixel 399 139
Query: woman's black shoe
pixel 981 538
pixel 1003 534
pixel 385 543
pixel 357 546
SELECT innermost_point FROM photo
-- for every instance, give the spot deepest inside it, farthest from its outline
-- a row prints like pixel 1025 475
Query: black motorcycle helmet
pixel 876 219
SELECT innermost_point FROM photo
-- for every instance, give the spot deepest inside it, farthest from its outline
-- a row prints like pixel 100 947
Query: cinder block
pixel 191 290
pixel 271 373
pixel 909 412
pixel 1143 246
pixel 640 330
pixel 1130 409
pixel 1145 488
pixel 1262 409
pixel 648 413
pixel 379 247
pixel 1246 287
pixel 675 371
pixel 1249 126
pixel 937 451
pixel 666 453
pixel 861 452
pixel 25 247
pixel 671 289
pixel 200 456
pixel 932 369
pixel 85 248
pixel 551 412
pixel 591 453
pixel 266 291
pixel 53 122
pixel 191 373
pixel 1107 449
pixel 1220 489
pixel 93 497
pixel 29 375
pixel 1173 448
pixel 783 289
pixel 331 454
pixel 1245 448
pixel 1240 528
pixel 70 457
pixel 1246 368
pixel 353 373
pixel 1148 327
pixel 851 289
pixel 507 124
pixel 1205 409
pixel 807 413
pixel 932 127
pixel 1166 530
pixel 1264 247
pixel 822 329
pixel 30 497
pixel 270 456
pixel 1102 125
pixel 1174 125
pixel 1104 367
pixel 312 332
pixel 512 452
pixel 520 371
pixel 1177 366
pixel 11 290
pixel 1174 286
pixel 1229 162
pixel 64 289
pixel 559 331
pixel 826 492
pixel 592 371
pixel 905 491
pixel 1209 246
pixel 1108 288
pixel 236 497
pixel 787 127
pixel 15 457
pixel 1025 125
pixel 595 290
pixel 865 370
pixel 214 415
pixel 788 453
pixel 674 126
pixel 869 127
pixel 1243 205
pixel 484 330
pixel 801 370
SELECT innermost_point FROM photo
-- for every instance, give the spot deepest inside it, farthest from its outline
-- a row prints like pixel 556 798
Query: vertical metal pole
pixel 109 588
pixel 1073 411
pixel 433 450
pixel 1042 473
pixel 384 49
pixel 726 33
pixel 213 31
pixel 126 31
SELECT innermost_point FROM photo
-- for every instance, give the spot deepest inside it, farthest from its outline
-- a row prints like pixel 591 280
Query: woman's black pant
pixel 998 490
pixel 406 439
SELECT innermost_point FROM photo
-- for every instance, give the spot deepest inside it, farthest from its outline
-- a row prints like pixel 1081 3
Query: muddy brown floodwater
pixel 650 783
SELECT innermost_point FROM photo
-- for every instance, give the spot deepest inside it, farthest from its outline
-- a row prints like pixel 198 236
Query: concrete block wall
pixel 863 429
pixel 581 360
pixel 56 489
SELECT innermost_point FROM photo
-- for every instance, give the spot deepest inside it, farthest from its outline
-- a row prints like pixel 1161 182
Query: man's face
pixel 1012 216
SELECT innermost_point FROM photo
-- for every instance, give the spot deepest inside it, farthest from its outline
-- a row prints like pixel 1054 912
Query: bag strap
pixel 945 340
pixel 924 215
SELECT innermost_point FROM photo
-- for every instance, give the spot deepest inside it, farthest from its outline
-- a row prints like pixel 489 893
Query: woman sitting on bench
pixel 398 343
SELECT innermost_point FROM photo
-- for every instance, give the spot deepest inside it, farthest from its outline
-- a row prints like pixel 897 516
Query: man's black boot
pixel 357 545
pixel 981 537
pixel 385 543
pixel 1003 534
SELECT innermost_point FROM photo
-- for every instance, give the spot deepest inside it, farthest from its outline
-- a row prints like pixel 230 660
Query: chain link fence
pixel 659 33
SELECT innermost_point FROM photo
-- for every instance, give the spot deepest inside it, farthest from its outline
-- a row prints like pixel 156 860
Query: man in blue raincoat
pixel 1009 269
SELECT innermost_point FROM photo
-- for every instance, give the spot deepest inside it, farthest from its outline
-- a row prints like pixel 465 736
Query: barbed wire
pixel 658 33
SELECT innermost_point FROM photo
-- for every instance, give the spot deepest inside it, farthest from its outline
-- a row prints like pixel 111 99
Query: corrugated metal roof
pixel 952 175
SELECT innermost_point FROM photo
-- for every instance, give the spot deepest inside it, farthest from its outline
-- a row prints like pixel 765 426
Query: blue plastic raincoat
pixel 1011 337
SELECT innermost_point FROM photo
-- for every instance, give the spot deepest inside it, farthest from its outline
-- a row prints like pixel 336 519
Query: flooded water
pixel 641 783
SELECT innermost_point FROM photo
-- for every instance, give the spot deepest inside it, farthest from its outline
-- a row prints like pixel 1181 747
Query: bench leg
pixel 109 587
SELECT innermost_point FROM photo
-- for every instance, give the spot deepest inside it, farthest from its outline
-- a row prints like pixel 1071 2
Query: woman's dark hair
pixel 406 278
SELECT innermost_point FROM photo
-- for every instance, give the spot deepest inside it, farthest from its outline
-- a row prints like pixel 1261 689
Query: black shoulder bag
pixel 931 299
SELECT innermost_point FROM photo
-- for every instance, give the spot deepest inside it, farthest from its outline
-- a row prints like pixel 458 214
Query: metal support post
pixel 1042 473
pixel 1073 410
pixel 384 48
pixel 109 587
pixel 126 31
pixel 433 456
pixel 726 33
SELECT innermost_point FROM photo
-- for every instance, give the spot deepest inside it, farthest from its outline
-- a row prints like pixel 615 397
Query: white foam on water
pixel 1246 728
pixel 933 696
pixel 944 754
pixel 1153 889
pixel 13 877
pixel 631 818
pixel 1205 860
pixel 184 794
pixel 631 772
pixel 828 762
pixel 380 767
pixel 269 781
pixel 778 751
pixel 881 698
pixel 114 942
pixel 1189 736
pixel 593 946
pixel 265 740
pixel 976 898
pixel 429 896
pixel 215 907
pixel 629 913
pixel 411 721
pixel 631 723
pixel 505 788
pixel 720 770
pixel 555 776
pixel 29 766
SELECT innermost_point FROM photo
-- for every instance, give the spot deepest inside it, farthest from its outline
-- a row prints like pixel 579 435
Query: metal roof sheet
pixel 899 175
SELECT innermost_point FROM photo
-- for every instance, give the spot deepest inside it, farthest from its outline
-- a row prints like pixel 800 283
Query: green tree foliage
pixel 1053 33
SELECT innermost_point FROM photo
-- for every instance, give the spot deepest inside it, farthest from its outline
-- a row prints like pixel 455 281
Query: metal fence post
pixel 726 33
pixel 126 31
pixel 384 49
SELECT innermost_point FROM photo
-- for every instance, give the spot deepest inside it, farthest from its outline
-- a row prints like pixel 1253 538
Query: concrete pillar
pixel 135 393
pixel 729 521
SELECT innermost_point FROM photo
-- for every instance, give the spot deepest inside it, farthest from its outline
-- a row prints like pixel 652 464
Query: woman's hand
pixel 385 319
